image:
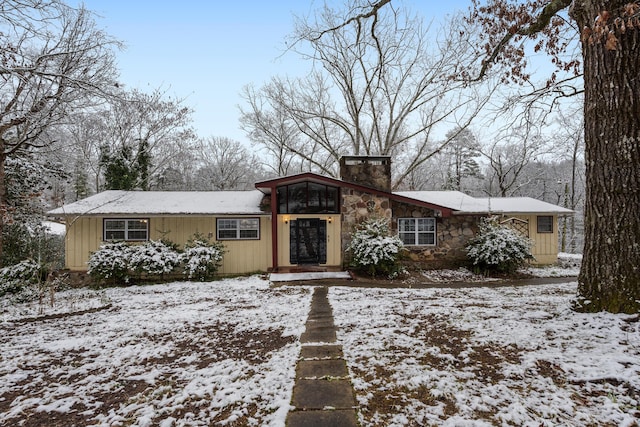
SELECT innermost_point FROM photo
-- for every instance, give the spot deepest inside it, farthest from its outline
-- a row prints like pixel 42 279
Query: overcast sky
pixel 206 51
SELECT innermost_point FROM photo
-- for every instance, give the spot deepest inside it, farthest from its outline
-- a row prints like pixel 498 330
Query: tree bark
pixel 610 275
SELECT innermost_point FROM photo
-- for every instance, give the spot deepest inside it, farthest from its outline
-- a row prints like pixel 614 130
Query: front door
pixel 308 241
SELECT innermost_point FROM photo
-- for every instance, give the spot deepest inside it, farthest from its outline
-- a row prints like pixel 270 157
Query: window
pixel 545 224
pixel 238 228
pixel 307 197
pixel 126 229
pixel 417 231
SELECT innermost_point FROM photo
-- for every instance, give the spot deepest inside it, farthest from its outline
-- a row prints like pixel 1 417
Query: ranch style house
pixel 305 220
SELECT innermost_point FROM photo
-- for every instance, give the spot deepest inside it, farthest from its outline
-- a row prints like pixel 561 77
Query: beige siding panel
pixel 179 229
pixel 85 236
pixel 334 254
pixel 545 248
pixel 247 256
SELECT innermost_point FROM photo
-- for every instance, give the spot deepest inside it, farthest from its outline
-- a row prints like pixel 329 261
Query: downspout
pixel 274 229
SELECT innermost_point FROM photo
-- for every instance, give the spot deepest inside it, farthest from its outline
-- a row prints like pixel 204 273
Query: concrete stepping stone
pixel 322 369
pixel 317 336
pixel 340 418
pixel 323 394
pixel 328 351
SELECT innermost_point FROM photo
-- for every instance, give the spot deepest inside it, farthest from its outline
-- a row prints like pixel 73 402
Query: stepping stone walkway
pixel 323 394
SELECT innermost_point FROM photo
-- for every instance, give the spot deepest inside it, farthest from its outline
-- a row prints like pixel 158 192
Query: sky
pixel 205 51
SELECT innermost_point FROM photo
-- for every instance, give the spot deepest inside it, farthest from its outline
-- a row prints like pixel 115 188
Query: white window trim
pixel 237 229
pixel 416 233
pixel 126 229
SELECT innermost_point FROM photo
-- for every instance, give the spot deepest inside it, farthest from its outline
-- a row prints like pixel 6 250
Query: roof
pixel 465 204
pixel 268 185
pixel 119 202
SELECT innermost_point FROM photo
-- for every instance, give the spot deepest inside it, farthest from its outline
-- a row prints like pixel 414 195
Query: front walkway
pixel 322 395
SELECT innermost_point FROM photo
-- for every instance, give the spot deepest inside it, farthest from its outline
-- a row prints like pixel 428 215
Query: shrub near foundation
pixel 373 250
pixel 497 248
pixel 118 263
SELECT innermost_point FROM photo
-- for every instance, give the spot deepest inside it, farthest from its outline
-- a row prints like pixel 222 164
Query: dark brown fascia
pixel 269 185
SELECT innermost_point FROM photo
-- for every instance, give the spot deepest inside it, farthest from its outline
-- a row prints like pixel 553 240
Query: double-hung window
pixel 417 231
pixel 238 228
pixel 135 229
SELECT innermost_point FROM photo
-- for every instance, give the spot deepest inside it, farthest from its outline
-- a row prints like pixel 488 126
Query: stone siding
pixel 356 207
pixel 452 235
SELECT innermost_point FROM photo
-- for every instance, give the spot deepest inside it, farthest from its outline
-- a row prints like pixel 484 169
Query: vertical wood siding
pixel 84 235
pixel 545 245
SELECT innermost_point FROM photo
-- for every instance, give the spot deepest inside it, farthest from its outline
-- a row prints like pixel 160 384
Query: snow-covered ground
pixel 224 353
pixel 510 356
pixel 176 354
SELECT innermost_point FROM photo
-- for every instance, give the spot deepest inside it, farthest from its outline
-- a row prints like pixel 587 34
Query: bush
pixel 373 250
pixel 153 257
pixel 118 262
pixel 110 263
pixel 18 278
pixel 497 248
pixel 202 258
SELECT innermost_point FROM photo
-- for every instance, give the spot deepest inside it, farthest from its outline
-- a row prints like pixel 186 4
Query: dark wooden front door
pixel 308 241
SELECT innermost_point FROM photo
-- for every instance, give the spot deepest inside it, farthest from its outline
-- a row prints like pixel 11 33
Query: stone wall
pixel 452 235
pixel 373 171
pixel 357 207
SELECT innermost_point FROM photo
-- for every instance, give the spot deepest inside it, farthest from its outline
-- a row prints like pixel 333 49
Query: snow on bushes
pixel 119 262
pixel 498 248
pixel 16 278
pixel 202 258
pixel 110 262
pixel 373 250
pixel 155 257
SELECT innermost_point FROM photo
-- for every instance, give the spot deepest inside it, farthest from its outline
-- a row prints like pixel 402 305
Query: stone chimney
pixel 370 171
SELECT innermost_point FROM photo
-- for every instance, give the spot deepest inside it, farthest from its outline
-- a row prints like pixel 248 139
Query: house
pixel 305 219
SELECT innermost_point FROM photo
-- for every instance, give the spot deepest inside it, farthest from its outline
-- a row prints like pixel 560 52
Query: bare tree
pixel 226 164
pixel 269 126
pixel 508 158
pixel 378 88
pixel 53 60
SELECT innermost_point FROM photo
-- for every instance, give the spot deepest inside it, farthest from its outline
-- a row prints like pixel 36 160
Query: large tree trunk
pixel 610 275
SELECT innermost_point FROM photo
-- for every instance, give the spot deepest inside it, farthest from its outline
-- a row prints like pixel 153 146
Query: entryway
pixel 308 241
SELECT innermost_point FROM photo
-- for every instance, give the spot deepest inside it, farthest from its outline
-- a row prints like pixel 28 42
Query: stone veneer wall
pixel 452 235
pixel 357 207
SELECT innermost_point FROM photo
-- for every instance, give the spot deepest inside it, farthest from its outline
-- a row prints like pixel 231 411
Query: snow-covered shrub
pixel 201 258
pixel 154 257
pixel 110 263
pixel 18 278
pixel 498 248
pixel 373 250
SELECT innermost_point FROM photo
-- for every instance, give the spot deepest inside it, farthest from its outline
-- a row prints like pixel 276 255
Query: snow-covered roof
pixel 118 202
pixel 465 204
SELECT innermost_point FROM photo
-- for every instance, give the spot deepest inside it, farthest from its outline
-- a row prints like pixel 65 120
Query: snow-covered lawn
pixel 177 354
pixel 224 353
pixel 510 356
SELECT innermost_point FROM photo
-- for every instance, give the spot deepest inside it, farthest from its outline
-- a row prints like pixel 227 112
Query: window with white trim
pixel 238 228
pixel 417 231
pixel 128 229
